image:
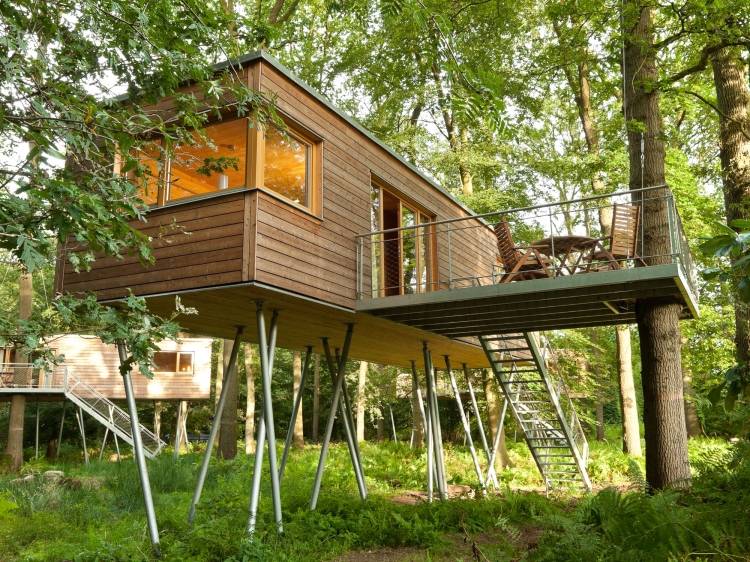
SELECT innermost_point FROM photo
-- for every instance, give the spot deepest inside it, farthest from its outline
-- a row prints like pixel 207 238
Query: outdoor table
pixel 574 254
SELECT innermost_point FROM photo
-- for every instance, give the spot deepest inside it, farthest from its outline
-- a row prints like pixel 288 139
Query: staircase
pixel 541 404
pixel 107 413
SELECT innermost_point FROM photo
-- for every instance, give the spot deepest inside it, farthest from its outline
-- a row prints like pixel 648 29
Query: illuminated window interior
pixel 286 166
pixel 174 361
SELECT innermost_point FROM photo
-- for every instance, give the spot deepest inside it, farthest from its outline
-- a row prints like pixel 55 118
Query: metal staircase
pixel 106 412
pixel 541 404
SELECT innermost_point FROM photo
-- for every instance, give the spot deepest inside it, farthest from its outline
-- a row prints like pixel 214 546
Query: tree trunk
pixel 361 401
pixel 596 369
pixel 381 428
pixel 297 433
pixel 157 419
pixel 316 399
pixel 18 401
pixel 219 380
pixel 631 429
pixel 658 317
pixel 733 101
pixel 692 421
pixel 416 417
pixel 250 407
pixel 228 427
pixel 494 409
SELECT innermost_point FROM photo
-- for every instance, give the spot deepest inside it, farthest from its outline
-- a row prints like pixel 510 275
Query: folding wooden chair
pixel 519 265
pixel 622 242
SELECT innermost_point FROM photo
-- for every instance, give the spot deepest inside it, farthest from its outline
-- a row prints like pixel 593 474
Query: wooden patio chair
pixel 519 265
pixel 623 240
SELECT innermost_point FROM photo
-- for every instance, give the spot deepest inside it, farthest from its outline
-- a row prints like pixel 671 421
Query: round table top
pixel 564 244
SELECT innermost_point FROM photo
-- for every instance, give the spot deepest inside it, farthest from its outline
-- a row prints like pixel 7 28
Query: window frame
pixel 179 353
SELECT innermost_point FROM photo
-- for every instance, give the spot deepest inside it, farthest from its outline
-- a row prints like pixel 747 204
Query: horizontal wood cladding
pixel 207 250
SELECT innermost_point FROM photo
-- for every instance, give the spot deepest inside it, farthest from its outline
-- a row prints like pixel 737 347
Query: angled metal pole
pixel 36 442
pixel 104 443
pixel 480 426
pixel 268 408
pixel 117 446
pixel 431 472
pixel 331 418
pixel 295 410
pixel 465 422
pixel 393 425
pixel 178 432
pixel 496 443
pixel 140 458
pixel 350 429
pixel 79 417
pixel 435 441
pixel 231 369
pixel 59 435
pixel 415 380
pixel 348 433
pixel 260 438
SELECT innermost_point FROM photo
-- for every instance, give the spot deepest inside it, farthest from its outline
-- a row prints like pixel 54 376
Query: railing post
pixel 450 260
pixel 670 214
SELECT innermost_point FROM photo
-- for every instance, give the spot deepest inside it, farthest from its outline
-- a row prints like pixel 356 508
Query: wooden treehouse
pixel 335 228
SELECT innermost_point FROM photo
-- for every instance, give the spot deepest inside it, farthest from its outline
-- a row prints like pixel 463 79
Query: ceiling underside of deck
pixel 579 301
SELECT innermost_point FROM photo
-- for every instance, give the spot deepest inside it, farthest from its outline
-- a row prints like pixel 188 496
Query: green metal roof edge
pixel 262 55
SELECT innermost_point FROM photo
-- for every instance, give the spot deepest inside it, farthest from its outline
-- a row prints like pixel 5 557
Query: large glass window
pixel 286 167
pixel 203 168
pixel 401 260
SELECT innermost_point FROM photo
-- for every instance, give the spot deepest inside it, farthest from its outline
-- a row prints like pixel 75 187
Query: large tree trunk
pixel 658 317
pixel 298 436
pixel 361 401
pixel 494 409
pixel 316 399
pixel 18 401
pixel 228 431
pixel 631 430
pixel 250 407
pixel 733 101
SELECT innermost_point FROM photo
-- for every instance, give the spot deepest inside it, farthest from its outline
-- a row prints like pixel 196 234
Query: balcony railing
pixel 27 376
pixel 552 240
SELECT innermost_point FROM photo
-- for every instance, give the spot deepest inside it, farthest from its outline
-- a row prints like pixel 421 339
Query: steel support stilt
pixel 268 408
pixel 295 410
pixel 437 436
pixel 231 369
pixel 104 443
pixel 351 440
pixel 425 417
pixel 480 426
pixel 352 429
pixel 429 441
pixel 393 425
pixel 36 441
pixel 331 417
pixel 140 458
pixel 117 447
pixel 260 438
pixel 59 435
pixel 498 433
pixel 79 417
pixel 178 432
pixel 465 422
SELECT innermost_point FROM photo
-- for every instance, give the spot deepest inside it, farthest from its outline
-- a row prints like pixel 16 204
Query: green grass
pixel 104 518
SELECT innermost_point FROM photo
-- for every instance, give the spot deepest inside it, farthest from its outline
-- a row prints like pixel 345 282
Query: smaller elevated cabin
pixel 184 371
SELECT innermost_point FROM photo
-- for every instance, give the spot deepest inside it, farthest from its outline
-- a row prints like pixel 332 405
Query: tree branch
pixel 745 133
pixel 702 63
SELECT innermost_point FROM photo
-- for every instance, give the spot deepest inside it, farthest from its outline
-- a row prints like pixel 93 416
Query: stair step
pixel 558 464
pixel 503 338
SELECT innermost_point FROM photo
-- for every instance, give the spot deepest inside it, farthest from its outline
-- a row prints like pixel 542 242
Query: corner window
pixel 286 170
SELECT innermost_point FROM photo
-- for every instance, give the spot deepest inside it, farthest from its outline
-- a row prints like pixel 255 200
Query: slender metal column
pixel 435 423
pixel 486 448
pixel 104 443
pixel 295 410
pixel 496 443
pixel 429 441
pixel 393 425
pixel 351 441
pixel 188 446
pixel 231 369
pixel 268 409
pixel 465 422
pixel 59 435
pixel 351 429
pixel 79 417
pixel 260 438
pixel 331 418
pixel 140 458
pixel 117 446
pixel 36 442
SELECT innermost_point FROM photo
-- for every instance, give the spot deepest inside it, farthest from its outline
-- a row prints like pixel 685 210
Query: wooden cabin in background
pixel 282 228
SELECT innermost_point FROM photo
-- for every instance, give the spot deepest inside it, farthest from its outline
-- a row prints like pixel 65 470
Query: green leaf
pixel 741 223
pixel 729 402
pixel 710 273
pixel 717 246
pixel 724 228
pixel 714 396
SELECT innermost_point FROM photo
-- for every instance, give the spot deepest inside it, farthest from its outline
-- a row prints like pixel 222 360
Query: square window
pixel 186 363
pixel 286 169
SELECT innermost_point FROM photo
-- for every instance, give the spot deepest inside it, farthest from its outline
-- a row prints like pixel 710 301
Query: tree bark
pixel 631 430
pixel 361 401
pixel 228 426
pixel 316 398
pixel 494 409
pixel 250 407
pixel 157 418
pixel 733 102
pixel 297 433
pixel 657 317
pixel 692 421
pixel 14 447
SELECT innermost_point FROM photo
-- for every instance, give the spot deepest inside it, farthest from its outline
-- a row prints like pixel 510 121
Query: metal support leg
pixel 393 425
pixel 496 443
pixel 295 410
pixel 231 369
pixel 178 431
pixel 351 440
pixel 431 472
pixel 480 426
pixel 36 442
pixel 188 446
pixel 331 417
pixel 260 438
pixel 79 417
pixel 437 437
pixel 140 458
pixel 59 435
pixel 104 443
pixel 117 447
pixel 465 422
pixel 350 428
